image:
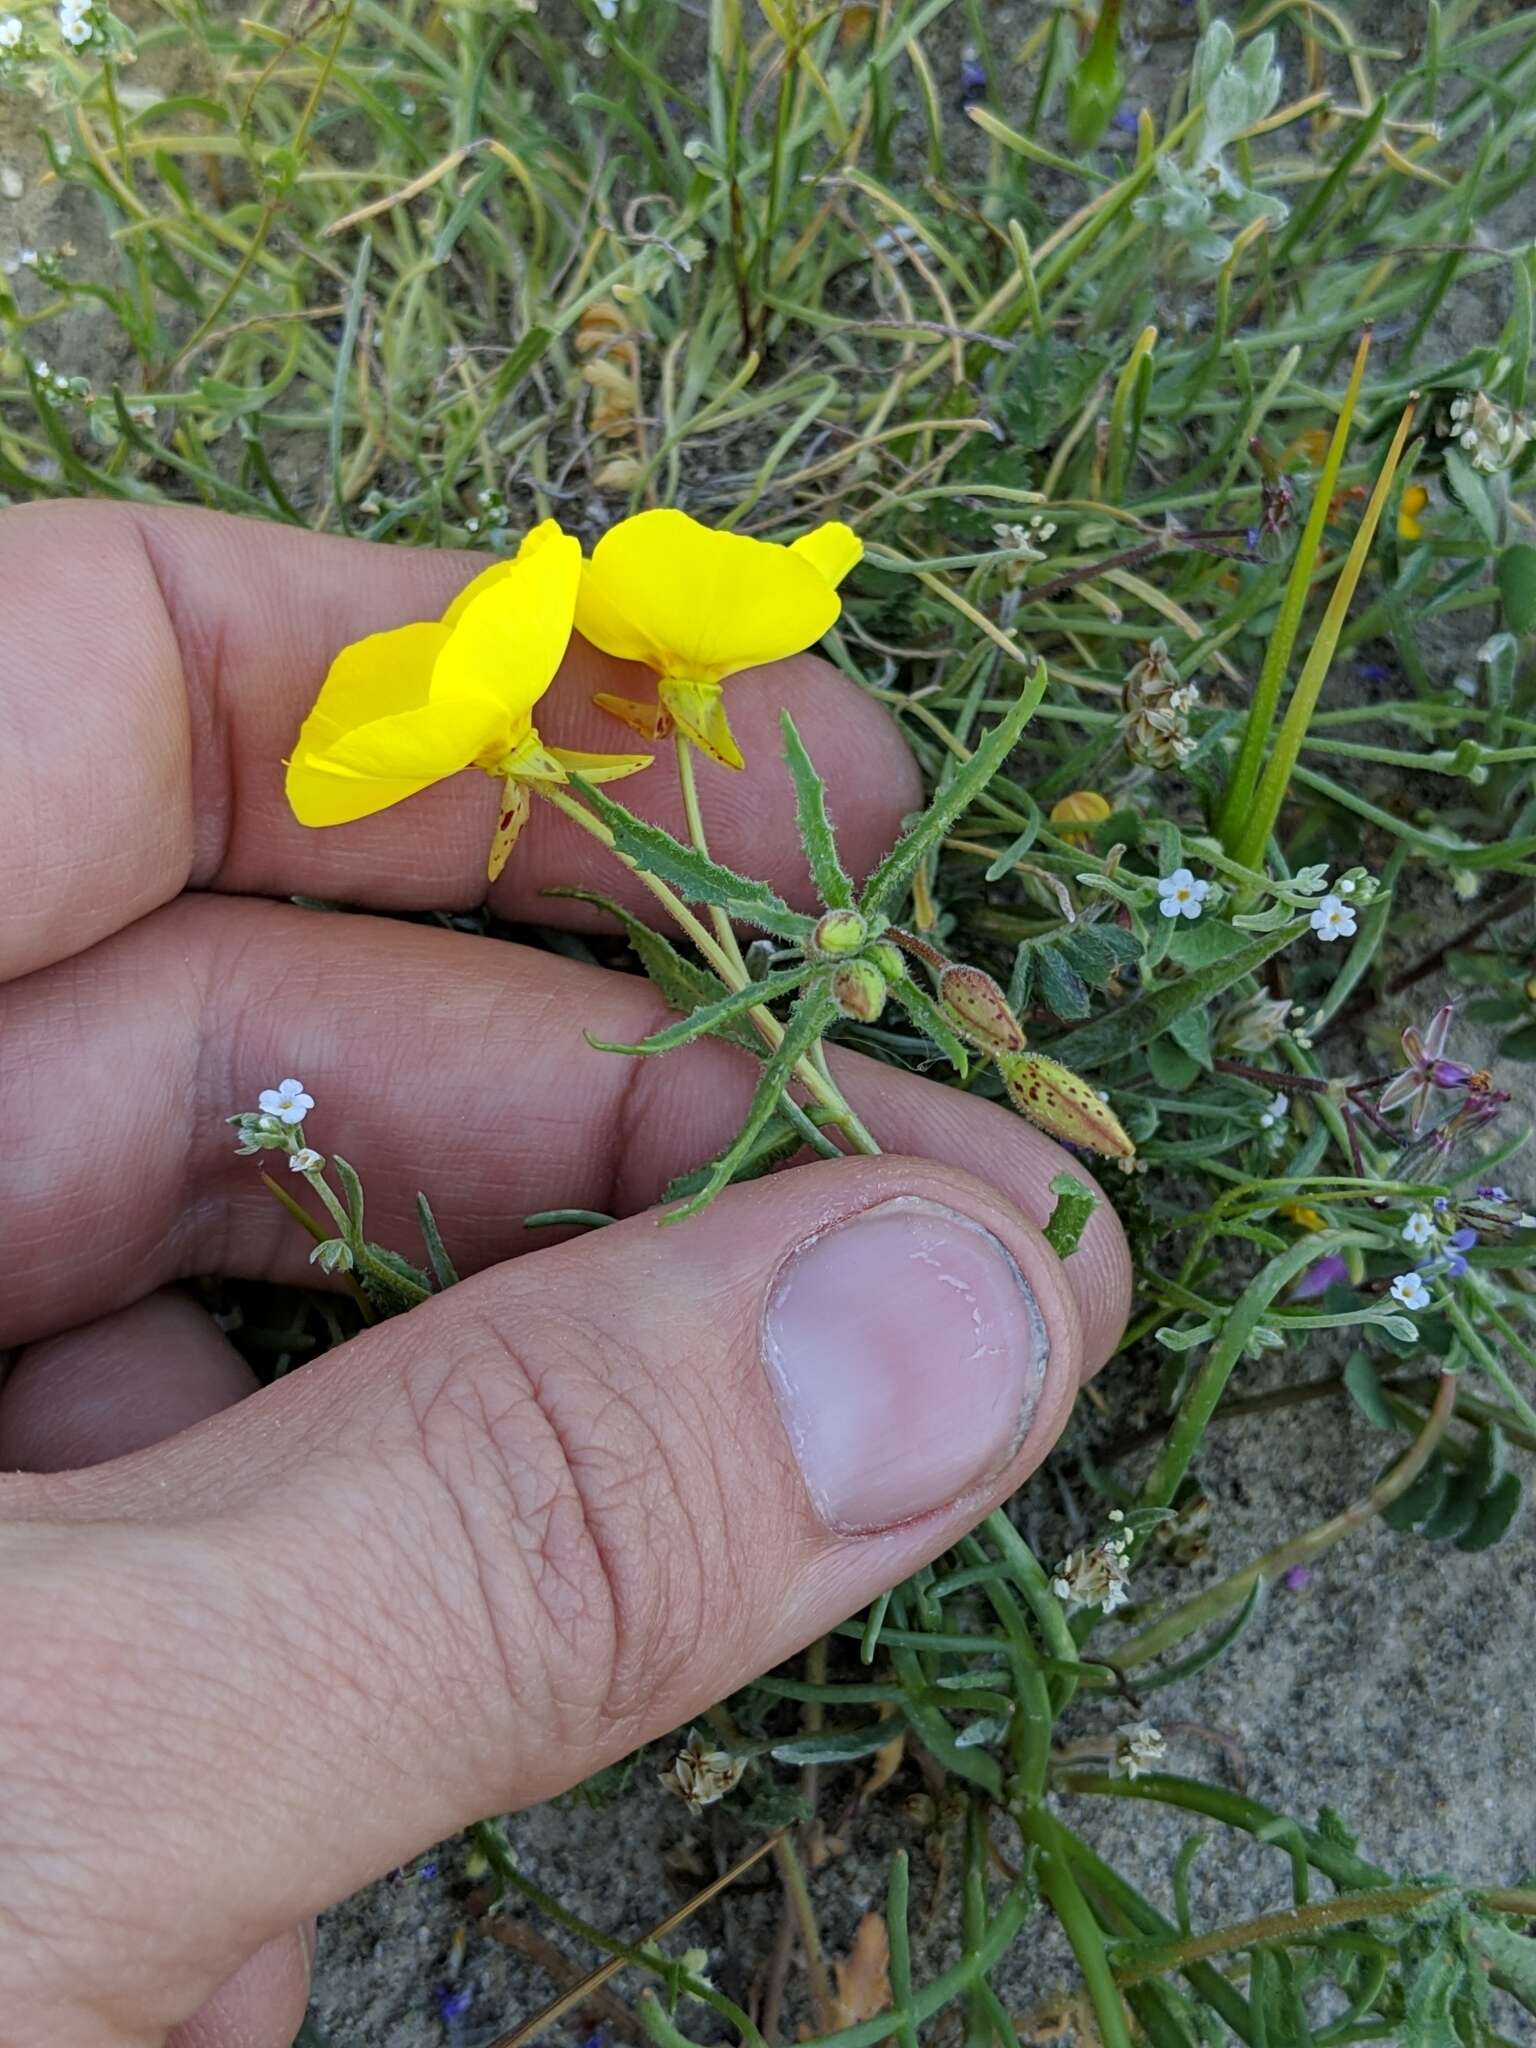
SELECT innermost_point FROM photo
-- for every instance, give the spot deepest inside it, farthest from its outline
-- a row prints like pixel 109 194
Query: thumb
pixel 480 1551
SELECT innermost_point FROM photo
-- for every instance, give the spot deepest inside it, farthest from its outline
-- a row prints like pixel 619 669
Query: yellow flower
pixel 698 605
pixel 1302 1216
pixel 405 709
pixel 1414 499
pixel 1077 814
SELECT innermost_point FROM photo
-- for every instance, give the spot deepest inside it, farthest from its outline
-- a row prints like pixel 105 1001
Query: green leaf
pixel 1060 987
pixel 1206 939
pixel 708 1017
pixel 1471 493
pixel 1428 2020
pixel 1495 1514
pixel 1364 1389
pixel 1171 1067
pixel 1138 1023
pixel 1074 1205
pixel 692 874
pixel 807 1021
pixel 1421 1499
pixel 352 1189
pixel 683 983
pixel 833 886
pixel 1191 1033
pixel 889 881
pixel 1096 950
pixel 1517 586
pixel 837 1745
pixel 443 1270
pixel 777 1141
pixel 930 1020
pixel 1520 1044
pixel 1512 1955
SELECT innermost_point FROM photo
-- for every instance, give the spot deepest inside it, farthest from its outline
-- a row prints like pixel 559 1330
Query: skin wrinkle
pixel 210 755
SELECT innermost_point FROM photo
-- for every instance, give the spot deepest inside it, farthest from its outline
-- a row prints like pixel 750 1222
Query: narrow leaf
pixel 808 1020
pixel 1137 1023
pixel 886 885
pixel 733 1005
pixel 833 886
pixel 443 1270
pixel 930 1020
pixel 692 874
pixel 683 983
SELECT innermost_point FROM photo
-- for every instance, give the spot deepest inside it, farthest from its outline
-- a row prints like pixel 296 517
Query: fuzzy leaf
pixel 1137 1023
pixel 835 1745
pixel 833 886
pixel 1512 1955
pixel 443 1271
pixel 777 1141
pixel 727 1009
pixel 692 874
pixel 1364 1389
pixel 807 1021
pixel 929 1019
pixel 887 884
pixel 1096 950
pixel 1427 2017
pixel 682 983
pixel 1069 1217
pixel 1060 987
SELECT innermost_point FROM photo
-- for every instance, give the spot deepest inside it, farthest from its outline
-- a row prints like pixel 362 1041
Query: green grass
pixel 426 275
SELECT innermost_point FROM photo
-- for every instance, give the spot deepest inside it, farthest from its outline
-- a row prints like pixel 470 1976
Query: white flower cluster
pixel 1139 1746
pixel 11 31
pixel 1100 1577
pixel 277 1125
pixel 77 23
pixel 1027 542
pixel 1489 435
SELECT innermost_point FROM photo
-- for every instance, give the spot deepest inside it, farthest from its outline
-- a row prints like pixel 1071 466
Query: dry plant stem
pixel 818 1086
pixel 1221 1599
pixel 798 1894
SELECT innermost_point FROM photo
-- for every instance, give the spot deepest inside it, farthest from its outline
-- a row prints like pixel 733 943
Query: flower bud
pixel 332 1255
pixel 858 989
pixel 979 1011
pixel 1077 814
pixel 1062 1103
pixel 840 932
pixel 890 959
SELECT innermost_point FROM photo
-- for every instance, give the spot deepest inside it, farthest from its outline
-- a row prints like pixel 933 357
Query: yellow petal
pixel 379 677
pixel 515 806
pixel 695 602
pixel 600 767
pixel 509 640
pixel 531 761
pixel 651 721
pixel 698 711
pixel 832 550
pixel 546 530
pixel 1414 499
pixel 421 746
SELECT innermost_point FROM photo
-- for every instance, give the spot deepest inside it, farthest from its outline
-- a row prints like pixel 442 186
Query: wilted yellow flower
pixel 1414 499
pixel 1077 814
pixel 698 605
pixel 405 709
pixel 1303 1217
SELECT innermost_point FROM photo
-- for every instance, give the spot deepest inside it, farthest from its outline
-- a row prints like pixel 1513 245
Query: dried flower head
pixel 1100 1577
pixel 1157 703
pixel 700 1776
pixel 1139 1746
pixel 1253 1026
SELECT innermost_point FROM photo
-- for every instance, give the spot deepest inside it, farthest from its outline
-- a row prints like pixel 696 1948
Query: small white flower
pixel 1275 1111
pixel 1099 1577
pixel 1139 1746
pixel 1333 919
pixel 1180 895
pixel 288 1102
pixel 11 31
pixel 1409 1291
pixel 1420 1228
pixel 1346 885
pixel 305 1160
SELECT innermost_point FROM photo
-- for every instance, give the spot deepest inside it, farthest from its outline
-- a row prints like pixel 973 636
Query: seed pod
pixel 979 1011
pixel 840 932
pixel 1062 1103
pixel 858 989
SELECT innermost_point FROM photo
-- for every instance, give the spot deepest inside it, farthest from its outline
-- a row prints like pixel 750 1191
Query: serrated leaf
pixel 1494 1516
pixel 691 873
pixel 889 881
pixel 709 1017
pixel 930 1020
pixel 807 1021
pixel 833 886
pixel 682 983
pixel 1069 1218
pixel 1137 1023
pixel 1060 987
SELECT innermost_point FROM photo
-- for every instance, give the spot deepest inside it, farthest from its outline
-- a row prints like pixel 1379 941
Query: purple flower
pixel 1456 1246
pixel 1375 672
pixel 1298 1578
pixel 1124 118
pixel 1426 1070
pixel 973 81
pixel 1319 1277
pixel 454 2000
pixel 1440 1204
pixel 1493 1194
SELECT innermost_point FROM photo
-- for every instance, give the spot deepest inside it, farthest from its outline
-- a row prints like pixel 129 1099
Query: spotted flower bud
pixel 840 931
pixel 979 1011
pixel 1062 1103
pixel 858 989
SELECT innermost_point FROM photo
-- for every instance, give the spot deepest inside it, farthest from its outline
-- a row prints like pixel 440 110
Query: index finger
pixel 158 662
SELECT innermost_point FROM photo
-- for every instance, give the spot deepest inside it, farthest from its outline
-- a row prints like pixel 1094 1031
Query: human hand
pixel 285 1639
